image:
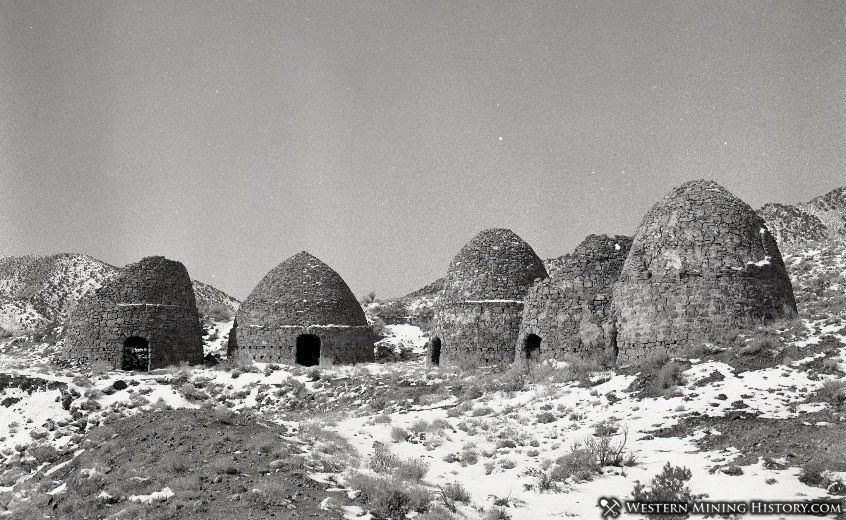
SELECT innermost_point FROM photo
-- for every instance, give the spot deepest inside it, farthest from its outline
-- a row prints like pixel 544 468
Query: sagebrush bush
pixel 833 392
pixel 389 497
pixel 497 513
pixel 385 462
pixel 668 486
pixel 454 492
pixel 669 376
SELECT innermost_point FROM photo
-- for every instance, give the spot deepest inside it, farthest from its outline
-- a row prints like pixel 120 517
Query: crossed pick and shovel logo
pixel 611 507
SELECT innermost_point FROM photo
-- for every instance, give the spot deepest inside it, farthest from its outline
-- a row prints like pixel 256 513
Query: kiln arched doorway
pixel 307 351
pixel 435 351
pixel 136 354
pixel 531 347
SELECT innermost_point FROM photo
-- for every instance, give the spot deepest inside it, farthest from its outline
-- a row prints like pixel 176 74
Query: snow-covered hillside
pixel 37 290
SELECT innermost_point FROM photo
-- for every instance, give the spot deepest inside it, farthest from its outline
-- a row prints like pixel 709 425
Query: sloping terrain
pixel 821 218
pixel 186 464
pixel 213 302
pixel 38 290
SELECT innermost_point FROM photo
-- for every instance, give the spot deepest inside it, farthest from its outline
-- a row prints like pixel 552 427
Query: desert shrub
pixel 580 368
pixel 437 512
pixel 669 376
pixel 423 317
pixel 579 463
pixel 497 513
pixel 668 486
pixel 758 345
pixel 469 455
pixel 220 312
pixel 385 462
pixel 377 325
pixel 454 492
pixel 833 392
pixel 392 312
pixel 389 497
pixel 192 393
pixel 387 352
pixel 399 435
pixel 44 453
pixel 543 480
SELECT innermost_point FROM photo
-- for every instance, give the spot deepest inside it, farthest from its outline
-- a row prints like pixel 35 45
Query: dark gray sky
pixel 382 136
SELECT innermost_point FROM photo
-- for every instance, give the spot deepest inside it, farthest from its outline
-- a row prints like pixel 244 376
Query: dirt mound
pixel 186 464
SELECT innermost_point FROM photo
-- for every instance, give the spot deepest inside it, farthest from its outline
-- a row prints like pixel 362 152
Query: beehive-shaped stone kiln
pixel 145 317
pixel 302 312
pixel 701 263
pixel 570 312
pixel 477 318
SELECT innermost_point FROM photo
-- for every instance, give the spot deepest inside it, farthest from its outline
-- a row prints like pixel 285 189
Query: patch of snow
pixel 156 496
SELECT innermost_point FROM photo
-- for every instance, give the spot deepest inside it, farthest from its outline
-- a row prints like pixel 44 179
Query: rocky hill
pixel 819 219
pixel 38 292
pixel 213 302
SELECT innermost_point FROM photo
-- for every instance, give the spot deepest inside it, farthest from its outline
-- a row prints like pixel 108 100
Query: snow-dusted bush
pixel 389 497
pixel 668 486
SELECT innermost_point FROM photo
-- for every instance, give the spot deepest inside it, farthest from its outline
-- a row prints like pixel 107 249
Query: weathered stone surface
pixel 702 262
pixel 570 312
pixel 477 318
pixel 152 299
pixel 302 295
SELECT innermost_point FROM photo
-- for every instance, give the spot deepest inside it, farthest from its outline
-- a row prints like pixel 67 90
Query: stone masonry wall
pixel 338 345
pixel 474 334
pixel 702 263
pixel 477 318
pixel 174 333
pixel 571 310
pixel 302 295
pixel 152 299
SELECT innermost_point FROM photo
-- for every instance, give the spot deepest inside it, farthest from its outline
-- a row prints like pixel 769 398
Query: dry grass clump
pixel 389 497
pixel 833 392
pixel 385 462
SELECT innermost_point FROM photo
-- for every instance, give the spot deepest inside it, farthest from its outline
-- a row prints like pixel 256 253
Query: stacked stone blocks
pixel 571 310
pixel 478 315
pixel 302 295
pixel 152 299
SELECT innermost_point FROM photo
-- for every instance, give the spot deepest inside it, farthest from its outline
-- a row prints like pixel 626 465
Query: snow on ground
pixel 514 435
pixel 217 338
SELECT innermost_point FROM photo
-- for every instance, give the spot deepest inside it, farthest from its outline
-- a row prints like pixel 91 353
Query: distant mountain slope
pixel 39 291
pixel 819 219
pixel 211 301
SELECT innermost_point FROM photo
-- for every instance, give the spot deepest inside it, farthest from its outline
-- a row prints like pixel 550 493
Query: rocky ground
pixel 760 416
pixel 384 440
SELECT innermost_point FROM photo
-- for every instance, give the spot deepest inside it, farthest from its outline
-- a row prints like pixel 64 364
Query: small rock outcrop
pixel 701 263
pixel 477 317
pixel 144 317
pixel 302 312
pixel 570 312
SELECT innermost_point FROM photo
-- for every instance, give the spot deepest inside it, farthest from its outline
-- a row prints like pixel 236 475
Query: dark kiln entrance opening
pixel 435 351
pixel 307 352
pixel 136 354
pixel 532 346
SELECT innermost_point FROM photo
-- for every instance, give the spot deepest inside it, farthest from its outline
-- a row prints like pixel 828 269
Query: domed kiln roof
pixel 302 290
pixel 152 280
pixel 701 229
pixel 496 265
